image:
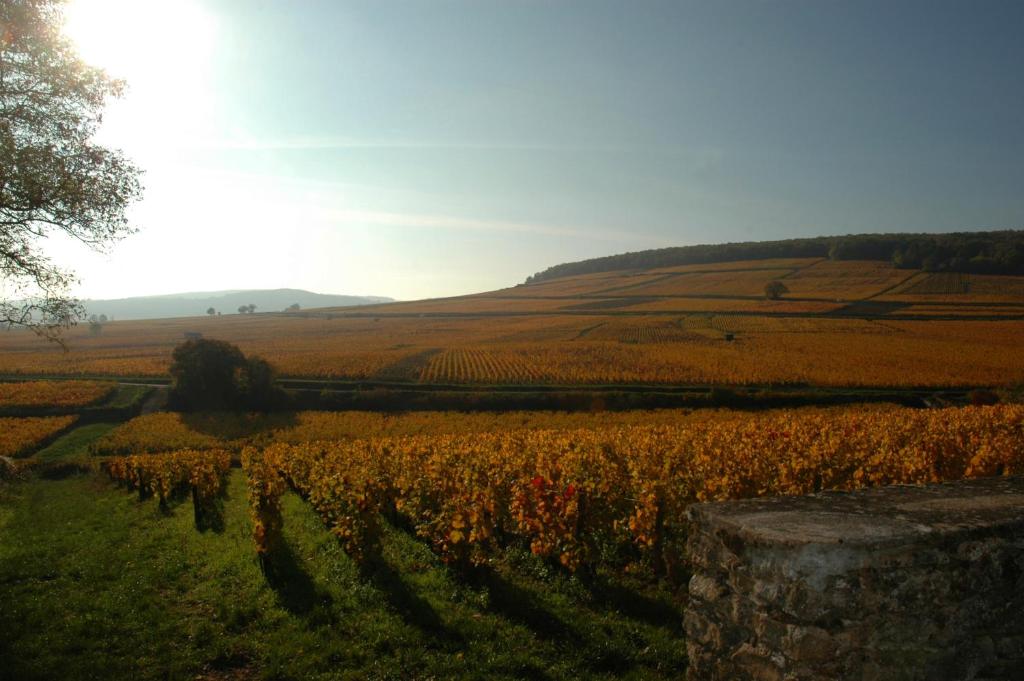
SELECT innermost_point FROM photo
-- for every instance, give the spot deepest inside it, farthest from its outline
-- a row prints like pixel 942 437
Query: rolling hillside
pixel 842 323
pixel 996 252
pixel 816 287
pixel 225 302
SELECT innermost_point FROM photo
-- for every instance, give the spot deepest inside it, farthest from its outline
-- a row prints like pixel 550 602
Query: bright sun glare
pixel 140 40
pixel 164 49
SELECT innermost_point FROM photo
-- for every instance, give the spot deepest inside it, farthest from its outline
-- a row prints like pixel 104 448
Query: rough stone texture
pixel 893 583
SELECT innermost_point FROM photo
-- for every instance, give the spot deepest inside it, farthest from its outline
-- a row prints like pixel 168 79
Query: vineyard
pixel 485 340
pixel 203 474
pixel 748 283
pixel 850 280
pixel 952 310
pixel 53 394
pixel 750 306
pixel 707 324
pixel 19 436
pixel 640 331
pixel 586 497
pixel 347 528
pixel 431 544
pixel 166 431
pixel 574 350
pixel 472 365
pixel 940 283
pixel 969 290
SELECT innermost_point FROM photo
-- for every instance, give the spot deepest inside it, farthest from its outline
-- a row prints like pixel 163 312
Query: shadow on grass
pixel 295 588
pixel 631 603
pixel 209 515
pixel 521 606
pixel 166 507
pixel 16 670
pixel 504 598
pixel 414 609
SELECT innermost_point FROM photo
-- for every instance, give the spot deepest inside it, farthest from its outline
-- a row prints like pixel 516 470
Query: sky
pixel 424 148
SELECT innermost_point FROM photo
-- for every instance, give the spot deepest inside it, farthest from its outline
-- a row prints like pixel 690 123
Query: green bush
pixel 213 375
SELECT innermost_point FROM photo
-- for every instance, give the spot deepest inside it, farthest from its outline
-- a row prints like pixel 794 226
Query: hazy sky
pixel 432 147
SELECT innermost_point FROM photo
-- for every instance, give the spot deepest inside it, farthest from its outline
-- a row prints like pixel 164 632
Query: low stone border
pixel 891 583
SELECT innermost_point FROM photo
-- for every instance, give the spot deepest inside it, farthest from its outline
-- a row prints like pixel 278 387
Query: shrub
pixel 774 290
pixel 256 388
pixel 211 374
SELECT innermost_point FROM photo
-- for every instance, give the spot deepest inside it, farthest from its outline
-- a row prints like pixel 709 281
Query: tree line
pixel 997 252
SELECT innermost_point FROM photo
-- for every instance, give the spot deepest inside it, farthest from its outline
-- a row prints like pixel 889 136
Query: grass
pixel 74 444
pixel 95 584
pixel 127 396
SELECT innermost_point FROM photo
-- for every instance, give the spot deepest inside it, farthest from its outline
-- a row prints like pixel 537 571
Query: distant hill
pixel 226 302
pixel 999 252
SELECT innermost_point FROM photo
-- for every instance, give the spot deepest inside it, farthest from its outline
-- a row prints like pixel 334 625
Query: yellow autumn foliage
pixel 53 393
pixel 579 494
pixel 20 436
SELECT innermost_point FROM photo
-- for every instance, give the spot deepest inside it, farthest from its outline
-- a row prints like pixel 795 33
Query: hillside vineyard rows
pixel 203 473
pixel 23 394
pixel 587 496
pixel 164 431
pixel 846 323
pixel 21 436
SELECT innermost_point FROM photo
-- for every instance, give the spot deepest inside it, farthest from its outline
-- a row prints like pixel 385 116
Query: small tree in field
pixel 256 389
pixel 204 373
pixel 211 374
pixel 210 311
pixel 774 290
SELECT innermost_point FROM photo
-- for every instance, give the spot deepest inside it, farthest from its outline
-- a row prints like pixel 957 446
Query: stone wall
pixel 891 583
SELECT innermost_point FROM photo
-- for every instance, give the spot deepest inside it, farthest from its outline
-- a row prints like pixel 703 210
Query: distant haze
pixel 225 302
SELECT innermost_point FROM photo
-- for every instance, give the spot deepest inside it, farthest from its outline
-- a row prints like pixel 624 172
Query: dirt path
pixel 157 400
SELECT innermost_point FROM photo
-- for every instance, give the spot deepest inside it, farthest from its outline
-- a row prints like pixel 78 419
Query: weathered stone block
pixel 917 583
pixel 706 588
pixel 809 645
pixel 761 663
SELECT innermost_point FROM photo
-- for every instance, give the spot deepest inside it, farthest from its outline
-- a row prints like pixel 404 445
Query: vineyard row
pixel 585 497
